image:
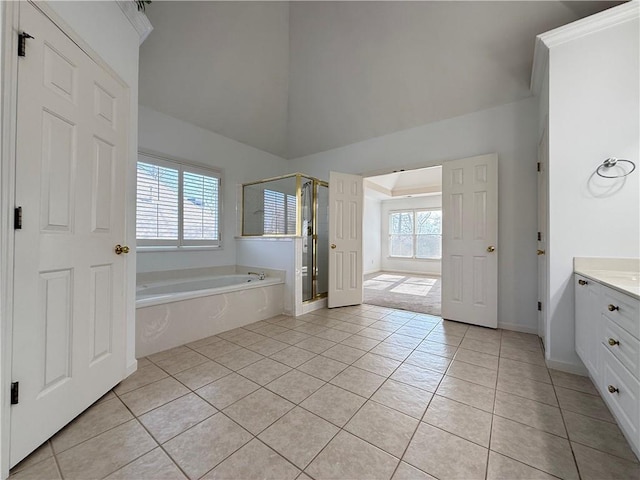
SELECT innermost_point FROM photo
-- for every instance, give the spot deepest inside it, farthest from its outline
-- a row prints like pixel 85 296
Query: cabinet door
pixel 588 325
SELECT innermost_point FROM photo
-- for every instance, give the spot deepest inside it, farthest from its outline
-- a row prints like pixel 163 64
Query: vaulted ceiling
pixel 303 77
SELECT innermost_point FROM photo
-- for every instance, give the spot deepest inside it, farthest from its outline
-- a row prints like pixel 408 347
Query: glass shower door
pixel 307 239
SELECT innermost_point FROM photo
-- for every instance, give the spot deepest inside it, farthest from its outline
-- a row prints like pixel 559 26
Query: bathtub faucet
pixel 260 275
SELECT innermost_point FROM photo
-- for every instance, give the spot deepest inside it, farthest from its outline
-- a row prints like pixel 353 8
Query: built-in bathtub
pixel 177 308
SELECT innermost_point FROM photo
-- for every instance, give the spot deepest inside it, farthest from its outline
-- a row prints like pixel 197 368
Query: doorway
pixel 402 264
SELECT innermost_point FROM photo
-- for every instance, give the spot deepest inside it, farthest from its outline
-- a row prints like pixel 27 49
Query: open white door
pixel 345 239
pixel 69 312
pixel 543 194
pixel 469 240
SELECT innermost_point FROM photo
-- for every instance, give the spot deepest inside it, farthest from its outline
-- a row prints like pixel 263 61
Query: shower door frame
pixel 298 233
pixel 314 239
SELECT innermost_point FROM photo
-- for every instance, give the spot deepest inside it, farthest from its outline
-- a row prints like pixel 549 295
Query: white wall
pixel 594 113
pixel 410 265
pixel 509 130
pixel 239 163
pixel 371 240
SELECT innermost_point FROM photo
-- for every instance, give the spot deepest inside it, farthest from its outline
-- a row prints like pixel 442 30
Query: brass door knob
pixel 491 249
pixel 541 252
pixel 121 249
pixel 582 282
pixel 612 308
pixel 613 342
pixel 612 389
pixel 333 245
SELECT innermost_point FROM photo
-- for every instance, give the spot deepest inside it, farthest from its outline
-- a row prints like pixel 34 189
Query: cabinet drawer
pixel 627 350
pixel 623 310
pixel 625 402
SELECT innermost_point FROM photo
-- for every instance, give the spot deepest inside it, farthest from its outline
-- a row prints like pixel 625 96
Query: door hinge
pixel 17 218
pixel 539 306
pixel 15 392
pixel 539 236
pixel 538 166
pixel 22 43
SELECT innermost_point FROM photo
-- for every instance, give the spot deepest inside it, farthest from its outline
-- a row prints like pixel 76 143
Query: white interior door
pixel 542 234
pixel 69 315
pixel 345 239
pixel 469 240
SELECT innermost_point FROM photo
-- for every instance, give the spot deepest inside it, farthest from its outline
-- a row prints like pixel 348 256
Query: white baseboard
pixel 377 270
pixel 131 368
pixel 518 328
pixel 569 367
pixel 411 272
pixel 315 305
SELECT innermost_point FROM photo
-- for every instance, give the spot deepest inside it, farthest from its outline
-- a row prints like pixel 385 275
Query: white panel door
pixel 469 240
pixel 543 194
pixel 345 240
pixel 69 315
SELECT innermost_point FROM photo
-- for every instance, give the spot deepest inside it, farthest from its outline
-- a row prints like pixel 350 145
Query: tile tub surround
pixel 244 404
pixel 622 274
pixel 164 326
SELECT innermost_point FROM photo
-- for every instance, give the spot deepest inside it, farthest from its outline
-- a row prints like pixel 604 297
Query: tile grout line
pixel 367 399
pixel 341 429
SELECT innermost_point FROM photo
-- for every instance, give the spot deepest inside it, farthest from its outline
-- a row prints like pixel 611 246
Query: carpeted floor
pixel 416 293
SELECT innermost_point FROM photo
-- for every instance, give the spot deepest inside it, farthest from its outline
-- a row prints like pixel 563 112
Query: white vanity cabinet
pixel 607 333
pixel 588 324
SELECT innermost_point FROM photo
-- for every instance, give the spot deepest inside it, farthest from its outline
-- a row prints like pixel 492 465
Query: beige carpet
pixel 416 293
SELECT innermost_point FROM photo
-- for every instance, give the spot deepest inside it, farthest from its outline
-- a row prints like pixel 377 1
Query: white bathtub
pixel 172 312
pixel 184 289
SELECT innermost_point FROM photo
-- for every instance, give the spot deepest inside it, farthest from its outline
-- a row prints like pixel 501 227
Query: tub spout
pixel 260 275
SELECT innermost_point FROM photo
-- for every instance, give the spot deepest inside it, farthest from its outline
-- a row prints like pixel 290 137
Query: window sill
pixel 176 248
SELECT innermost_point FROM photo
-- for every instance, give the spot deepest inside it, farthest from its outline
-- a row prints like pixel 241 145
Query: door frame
pixel 386 171
pixel 9 27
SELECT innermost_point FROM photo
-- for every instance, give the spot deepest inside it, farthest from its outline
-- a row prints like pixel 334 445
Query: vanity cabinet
pixel 607 333
pixel 588 329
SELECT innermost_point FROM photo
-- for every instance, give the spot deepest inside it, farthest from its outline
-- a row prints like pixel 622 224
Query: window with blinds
pixel 415 234
pixel 279 213
pixel 177 204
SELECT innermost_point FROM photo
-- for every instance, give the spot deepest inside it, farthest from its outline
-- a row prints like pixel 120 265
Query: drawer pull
pixel 613 308
pixel 612 389
pixel 613 342
pixel 583 282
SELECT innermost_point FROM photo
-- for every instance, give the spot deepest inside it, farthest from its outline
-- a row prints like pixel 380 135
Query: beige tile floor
pixel 353 393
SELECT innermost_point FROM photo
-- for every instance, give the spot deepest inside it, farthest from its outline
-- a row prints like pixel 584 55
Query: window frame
pixel 181 166
pixel 414 235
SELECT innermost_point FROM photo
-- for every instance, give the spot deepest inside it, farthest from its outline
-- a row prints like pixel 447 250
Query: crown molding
pixel 580 28
pixel 138 19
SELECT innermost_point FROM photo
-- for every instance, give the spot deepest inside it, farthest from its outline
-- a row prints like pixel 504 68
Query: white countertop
pixel 622 274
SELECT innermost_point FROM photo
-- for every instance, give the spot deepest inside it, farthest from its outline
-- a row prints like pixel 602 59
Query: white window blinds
pixel 177 204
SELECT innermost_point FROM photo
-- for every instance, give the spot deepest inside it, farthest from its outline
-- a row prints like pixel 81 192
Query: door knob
pixel 613 342
pixel 491 249
pixel 333 245
pixel 612 389
pixel 541 252
pixel 121 249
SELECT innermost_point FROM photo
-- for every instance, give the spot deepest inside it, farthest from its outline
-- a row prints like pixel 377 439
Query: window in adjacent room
pixel 415 234
pixel 177 204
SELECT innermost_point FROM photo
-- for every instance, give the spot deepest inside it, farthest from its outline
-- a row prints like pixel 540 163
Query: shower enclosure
pixel 295 205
